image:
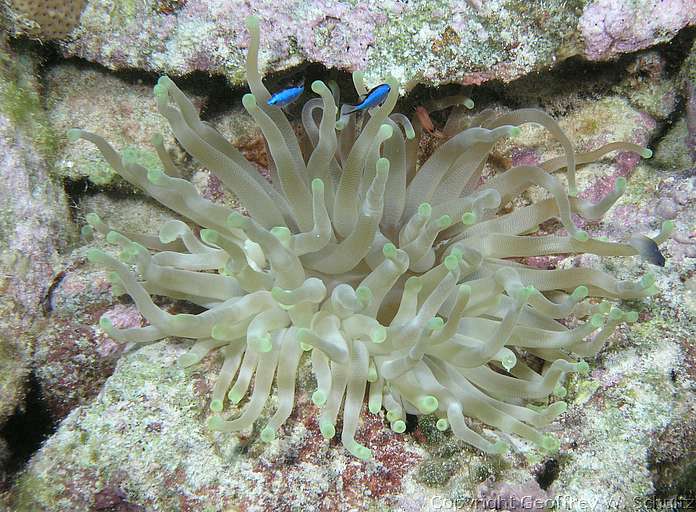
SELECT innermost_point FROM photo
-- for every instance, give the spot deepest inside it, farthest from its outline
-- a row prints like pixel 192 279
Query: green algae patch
pixel 21 101
pixel 437 472
pixel 584 390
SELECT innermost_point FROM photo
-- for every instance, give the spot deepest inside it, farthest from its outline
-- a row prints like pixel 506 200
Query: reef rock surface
pixel 430 42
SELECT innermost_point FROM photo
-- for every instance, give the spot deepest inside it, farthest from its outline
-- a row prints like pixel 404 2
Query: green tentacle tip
pixel 409 132
pixel 383 164
pixel 413 284
pixel 509 361
pixel 515 131
pixel 451 262
pixel 319 398
pixel 328 430
pixel 524 293
pixel 428 404
pixel 581 235
pixel 499 448
pixel 186 360
pixel 304 335
pixel 363 453
pixel 155 176
pixel 74 134
pixel 444 222
pixel 114 237
pixel 306 347
pixel 237 220
pixel 550 443
pixel 560 391
pixel 597 320
pixel 378 334
pixel 456 251
pixel 442 424
pixel 218 332
pixel 469 103
pixel 385 131
pixel 318 86
pixel 209 236
pixel 668 226
pixel 92 219
pixel 282 233
pixel 559 407
pixel 157 139
pixel 159 90
pixel 249 101
pixel 465 289
pixel 234 396
pixel 604 307
pixel 364 295
pixel 580 293
pixel 620 184
pixel 128 157
pixel 96 256
pixel 399 426
pixel 435 324
pixel 468 218
pixel 113 278
pixel 267 434
pixel 631 316
pixel 651 290
pixel 392 416
pixel 389 250
pixel 278 294
pixel 647 280
pixel 167 236
pixel 317 185
pixel 425 210
pixel 615 314
pixel 252 22
pixel 263 343
pixel 372 374
pixel 105 323
pixel 583 368
pixel 216 423
pixel 646 153
pixel 86 231
pixel 374 406
pixel 216 405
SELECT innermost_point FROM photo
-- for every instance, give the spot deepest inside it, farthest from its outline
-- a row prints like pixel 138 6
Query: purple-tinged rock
pixel 610 27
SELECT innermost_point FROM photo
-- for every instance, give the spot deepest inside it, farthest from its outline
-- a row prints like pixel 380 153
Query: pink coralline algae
pixel 611 27
pixel 205 35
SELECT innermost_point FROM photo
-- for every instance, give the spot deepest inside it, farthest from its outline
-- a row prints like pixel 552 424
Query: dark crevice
pixel 665 126
pixel 548 473
pixel 75 190
pixel 28 428
pixel 411 423
pixel 536 89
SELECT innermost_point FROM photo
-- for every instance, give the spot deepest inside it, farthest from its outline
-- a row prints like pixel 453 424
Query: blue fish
pixel 373 98
pixel 286 96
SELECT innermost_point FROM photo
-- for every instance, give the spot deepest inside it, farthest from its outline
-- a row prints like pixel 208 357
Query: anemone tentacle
pixel 393 276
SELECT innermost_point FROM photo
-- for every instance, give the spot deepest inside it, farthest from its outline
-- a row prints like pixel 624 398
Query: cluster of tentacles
pixel 395 277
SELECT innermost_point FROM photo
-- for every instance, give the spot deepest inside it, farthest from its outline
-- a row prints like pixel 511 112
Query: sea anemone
pixel 396 277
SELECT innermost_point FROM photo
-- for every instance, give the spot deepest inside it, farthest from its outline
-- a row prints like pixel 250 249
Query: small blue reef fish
pixel 286 96
pixel 373 98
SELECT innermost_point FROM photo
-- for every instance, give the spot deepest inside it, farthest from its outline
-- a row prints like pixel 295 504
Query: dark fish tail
pixel 648 250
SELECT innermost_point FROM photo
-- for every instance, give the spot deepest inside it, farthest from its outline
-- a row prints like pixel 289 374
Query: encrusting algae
pixel 394 276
